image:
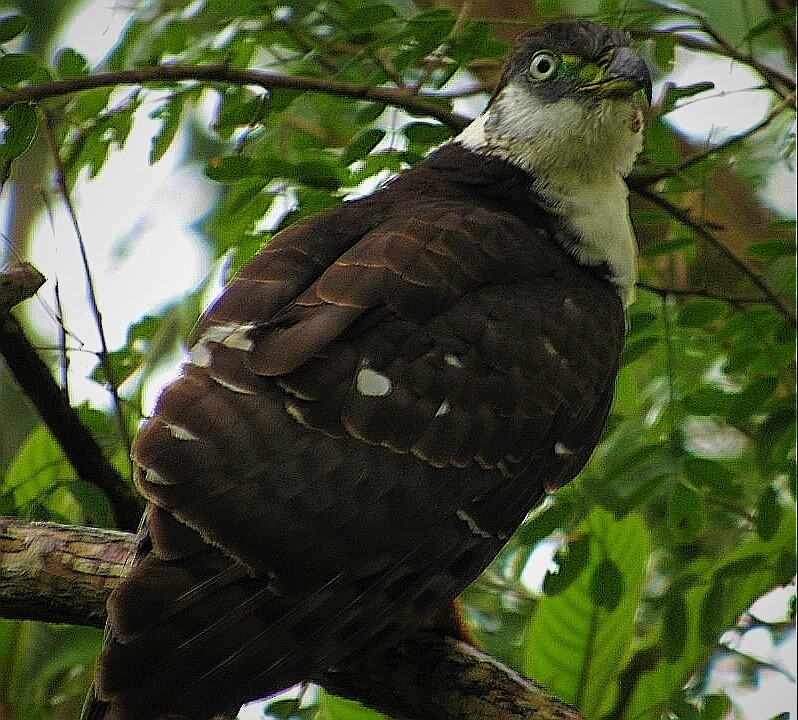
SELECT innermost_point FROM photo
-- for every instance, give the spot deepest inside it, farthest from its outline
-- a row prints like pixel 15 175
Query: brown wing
pixel 352 448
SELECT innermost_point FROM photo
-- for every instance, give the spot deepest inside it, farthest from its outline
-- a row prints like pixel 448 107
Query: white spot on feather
pixel 153 478
pixel 561 450
pixel 549 348
pixel 230 335
pixel 373 384
pixel 472 524
pixel 452 360
pixel 443 409
pixel 179 433
pixel 232 386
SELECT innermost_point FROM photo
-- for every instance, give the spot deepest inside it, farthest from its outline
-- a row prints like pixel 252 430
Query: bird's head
pixel 570 102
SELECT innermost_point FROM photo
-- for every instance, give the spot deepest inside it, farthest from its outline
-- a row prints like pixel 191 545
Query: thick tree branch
pixel 433 676
pixel 221 72
pixel 64 574
pixel 56 573
pixel 80 448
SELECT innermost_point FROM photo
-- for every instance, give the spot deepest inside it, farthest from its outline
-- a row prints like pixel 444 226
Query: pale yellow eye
pixel 544 64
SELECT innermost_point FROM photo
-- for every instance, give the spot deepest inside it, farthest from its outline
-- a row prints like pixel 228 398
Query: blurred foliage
pixel 684 515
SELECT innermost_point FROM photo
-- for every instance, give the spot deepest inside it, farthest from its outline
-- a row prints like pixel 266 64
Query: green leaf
pixel 171 113
pixel 368 17
pixel 674 94
pixel 70 63
pixel 640 321
pixel 637 348
pixel 750 569
pixel 172 39
pixel 780 18
pixel 701 312
pixel 683 709
pixel 715 707
pixel 425 135
pixel 22 124
pixel 16 68
pixel 664 51
pixel 751 400
pixel 11 26
pixel 707 400
pixel 607 585
pixel 336 708
pixel 686 513
pixel 575 647
pixel 714 608
pixel 674 628
pixel 286 709
pixel 38 468
pixel 713 476
pixel 571 562
pixel 770 249
pixel 362 144
pixel 239 107
pixel 229 169
pixel 544 522
pixel 319 173
pixel 768 513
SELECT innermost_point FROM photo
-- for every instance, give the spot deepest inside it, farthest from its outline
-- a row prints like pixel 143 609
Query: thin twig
pixel 787 31
pixel 683 216
pixel 221 72
pixel 438 56
pixel 644 180
pixel 394 76
pixel 772 75
pixel 104 354
pixel 780 82
pixel 60 320
pixel 664 291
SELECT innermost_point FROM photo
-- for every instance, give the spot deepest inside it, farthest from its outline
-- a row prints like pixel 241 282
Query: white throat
pixel 578 156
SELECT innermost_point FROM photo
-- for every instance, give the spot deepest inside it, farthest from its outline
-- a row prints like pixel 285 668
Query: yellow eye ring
pixel 543 65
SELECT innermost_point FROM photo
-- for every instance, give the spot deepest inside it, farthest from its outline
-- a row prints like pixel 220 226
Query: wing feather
pixel 375 404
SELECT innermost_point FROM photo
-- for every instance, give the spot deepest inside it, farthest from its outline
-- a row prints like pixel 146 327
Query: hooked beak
pixel 623 77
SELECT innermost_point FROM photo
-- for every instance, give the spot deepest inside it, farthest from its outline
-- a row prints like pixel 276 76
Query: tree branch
pixel 664 290
pixel 434 676
pixel 683 216
pixel 782 83
pixel 56 573
pixel 36 381
pixel 643 179
pixel 221 72
pixel 64 574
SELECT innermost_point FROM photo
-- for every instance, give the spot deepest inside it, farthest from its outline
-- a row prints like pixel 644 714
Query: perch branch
pixel 64 574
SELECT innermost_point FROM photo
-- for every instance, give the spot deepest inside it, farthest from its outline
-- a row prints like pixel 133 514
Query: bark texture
pixel 57 573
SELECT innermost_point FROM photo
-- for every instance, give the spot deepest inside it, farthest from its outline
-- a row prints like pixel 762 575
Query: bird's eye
pixel 544 65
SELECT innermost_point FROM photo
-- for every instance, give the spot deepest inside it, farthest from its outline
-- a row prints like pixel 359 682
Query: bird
pixel 377 400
